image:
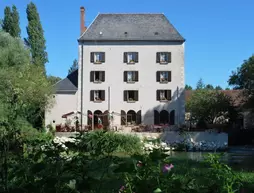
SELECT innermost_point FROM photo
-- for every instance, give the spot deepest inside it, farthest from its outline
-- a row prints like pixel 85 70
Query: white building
pixel 131 65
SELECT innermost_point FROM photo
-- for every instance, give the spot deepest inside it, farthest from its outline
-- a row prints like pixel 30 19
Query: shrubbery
pixel 91 163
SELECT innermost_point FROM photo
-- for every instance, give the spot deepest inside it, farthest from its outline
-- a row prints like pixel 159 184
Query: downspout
pixel 82 63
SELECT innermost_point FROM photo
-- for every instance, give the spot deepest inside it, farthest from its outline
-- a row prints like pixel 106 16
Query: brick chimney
pixel 82 20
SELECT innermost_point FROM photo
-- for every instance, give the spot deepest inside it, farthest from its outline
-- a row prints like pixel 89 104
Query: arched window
pixel 164 117
pixel 131 117
pixel 156 117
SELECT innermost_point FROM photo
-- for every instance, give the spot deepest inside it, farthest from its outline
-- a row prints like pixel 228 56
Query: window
pixel 97 95
pixel 163 57
pixel 97 57
pixel 130 76
pixel 130 57
pixel 97 76
pixel 163 76
pixel 163 95
pixel 131 95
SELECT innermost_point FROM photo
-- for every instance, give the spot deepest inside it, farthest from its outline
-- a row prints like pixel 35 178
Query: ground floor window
pixel 164 117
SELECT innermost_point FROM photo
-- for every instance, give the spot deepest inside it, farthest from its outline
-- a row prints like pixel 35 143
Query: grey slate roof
pixel 139 27
pixel 69 84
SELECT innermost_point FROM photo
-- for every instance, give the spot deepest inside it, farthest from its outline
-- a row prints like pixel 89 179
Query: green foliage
pixel 11 21
pixel 207 105
pixel 209 86
pixel 12 52
pixel 103 142
pixel 73 67
pixel 53 79
pixel 200 84
pixel 218 88
pixel 188 87
pixel 222 178
pixel 243 78
pixel 36 40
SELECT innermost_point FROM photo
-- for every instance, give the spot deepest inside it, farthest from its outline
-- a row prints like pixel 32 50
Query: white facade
pixel 147 86
pixel 62 104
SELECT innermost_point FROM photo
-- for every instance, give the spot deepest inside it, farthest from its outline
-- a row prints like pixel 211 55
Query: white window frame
pixel 163 55
pixel 97 95
pixel 99 56
pixel 130 58
pixel 132 74
pixel 166 76
pixel 163 95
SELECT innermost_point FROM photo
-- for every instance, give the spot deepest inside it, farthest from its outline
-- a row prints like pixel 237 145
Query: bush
pixel 107 142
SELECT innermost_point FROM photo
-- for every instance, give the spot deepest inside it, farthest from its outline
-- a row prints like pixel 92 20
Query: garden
pixel 103 161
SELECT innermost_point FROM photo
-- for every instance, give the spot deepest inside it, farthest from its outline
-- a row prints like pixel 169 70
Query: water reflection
pixel 236 157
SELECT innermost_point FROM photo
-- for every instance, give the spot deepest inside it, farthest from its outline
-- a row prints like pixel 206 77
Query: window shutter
pixel 91 95
pixel 103 57
pixel 158 95
pixel 158 57
pixel 169 95
pixel 92 76
pixel 92 57
pixel 136 76
pixel 125 95
pixel 103 76
pixel 136 57
pixel 136 95
pixel 169 57
pixel 125 76
pixel 158 76
pixel 169 76
pixel 125 57
pixel 103 95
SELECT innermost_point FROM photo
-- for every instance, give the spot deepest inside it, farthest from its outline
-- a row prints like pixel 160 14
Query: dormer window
pixel 97 57
pixel 163 57
pixel 130 57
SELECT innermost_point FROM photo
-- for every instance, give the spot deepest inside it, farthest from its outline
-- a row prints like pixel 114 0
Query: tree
pixel 36 40
pixel 188 87
pixel 7 21
pixel 73 67
pixel 218 88
pixel 23 86
pixel 227 88
pixel 200 84
pixel 243 78
pixel 11 21
pixel 207 105
pixel 209 86
pixel 15 32
pixel 53 79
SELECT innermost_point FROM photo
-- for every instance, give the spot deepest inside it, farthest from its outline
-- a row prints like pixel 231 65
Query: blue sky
pixel 219 33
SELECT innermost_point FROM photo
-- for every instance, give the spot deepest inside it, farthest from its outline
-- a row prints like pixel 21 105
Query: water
pixel 237 157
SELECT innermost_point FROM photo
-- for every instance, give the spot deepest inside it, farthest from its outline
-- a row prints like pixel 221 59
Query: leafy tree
pixel 218 88
pixel 7 21
pixel 36 40
pixel 53 79
pixel 243 78
pixel 15 32
pixel 227 88
pixel 73 67
pixel 12 52
pixel 11 21
pixel 208 105
pixel 209 86
pixel 200 84
pixel 188 87
pixel 18 81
